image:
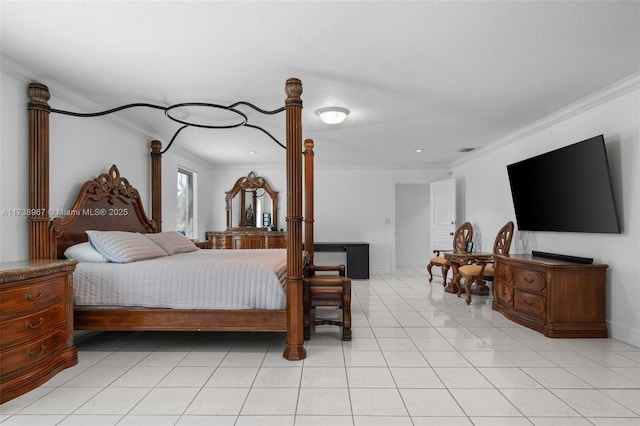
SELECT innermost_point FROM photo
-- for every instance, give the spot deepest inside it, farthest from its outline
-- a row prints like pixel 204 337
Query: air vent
pixel 467 149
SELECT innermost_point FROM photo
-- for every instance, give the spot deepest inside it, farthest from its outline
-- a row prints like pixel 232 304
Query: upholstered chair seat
pixel 438 260
pixel 475 269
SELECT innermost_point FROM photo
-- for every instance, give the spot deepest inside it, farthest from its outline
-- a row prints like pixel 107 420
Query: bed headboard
pixel 106 203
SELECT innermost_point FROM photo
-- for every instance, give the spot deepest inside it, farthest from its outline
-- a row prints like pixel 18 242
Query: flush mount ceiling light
pixel 332 115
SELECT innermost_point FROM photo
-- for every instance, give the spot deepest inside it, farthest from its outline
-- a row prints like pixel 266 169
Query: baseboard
pixel 624 334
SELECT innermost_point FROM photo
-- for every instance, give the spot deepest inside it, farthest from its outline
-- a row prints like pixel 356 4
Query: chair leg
pixel 346 312
pixel 467 288
pixel 466 282
pixel 429 266
pixel 306 311
pixel 445 272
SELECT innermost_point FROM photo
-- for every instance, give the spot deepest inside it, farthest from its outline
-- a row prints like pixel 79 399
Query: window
pixel 187 220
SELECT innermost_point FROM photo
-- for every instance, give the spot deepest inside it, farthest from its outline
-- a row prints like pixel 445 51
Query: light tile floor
pixel 419 356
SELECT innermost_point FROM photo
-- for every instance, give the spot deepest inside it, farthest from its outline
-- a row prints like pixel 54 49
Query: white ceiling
pixel 436 75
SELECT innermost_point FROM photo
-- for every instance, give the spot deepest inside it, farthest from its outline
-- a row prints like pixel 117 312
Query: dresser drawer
pixel 530 303
pixel 503 293
pixel 219 242
pixel 28 298
pixel 248 242
pixel 530 280
pixel 277 241
pixel 33 353
pixel 31 326
pixel 503 273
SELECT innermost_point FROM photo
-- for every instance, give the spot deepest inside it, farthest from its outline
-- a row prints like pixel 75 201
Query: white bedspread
pixel 203 279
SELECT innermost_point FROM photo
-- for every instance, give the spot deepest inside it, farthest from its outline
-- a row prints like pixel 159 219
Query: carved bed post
pixel 39 241
pixel 293 105
pixel 156 183
pixel 308 199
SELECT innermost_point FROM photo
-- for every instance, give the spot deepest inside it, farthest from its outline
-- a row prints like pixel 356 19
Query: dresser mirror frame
pixel 247 187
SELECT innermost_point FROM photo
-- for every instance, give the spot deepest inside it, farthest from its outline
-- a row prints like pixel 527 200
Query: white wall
pixel 614 112
pixel 80 149
pixel 14 168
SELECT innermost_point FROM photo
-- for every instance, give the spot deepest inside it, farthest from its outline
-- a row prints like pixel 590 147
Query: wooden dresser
pixel 247 239
pixel 557 298
pixel 36 323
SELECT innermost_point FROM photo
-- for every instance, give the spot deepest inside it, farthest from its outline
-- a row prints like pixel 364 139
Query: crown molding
pixel 614 91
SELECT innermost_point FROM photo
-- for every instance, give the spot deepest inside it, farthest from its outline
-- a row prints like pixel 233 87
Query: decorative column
pixel 309 218
pixel 293 106
pixel 40 246
pixel 156 183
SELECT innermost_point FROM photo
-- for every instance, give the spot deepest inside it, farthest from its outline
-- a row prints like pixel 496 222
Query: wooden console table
pixel 357 257
pixel 554 297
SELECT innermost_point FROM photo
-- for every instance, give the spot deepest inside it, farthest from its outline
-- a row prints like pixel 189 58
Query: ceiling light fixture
pixel 332 115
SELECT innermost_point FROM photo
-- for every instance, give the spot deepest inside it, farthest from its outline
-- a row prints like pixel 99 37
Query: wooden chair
pixel 321 289
pixel 480 272
pixel 326 290
pixel 462 236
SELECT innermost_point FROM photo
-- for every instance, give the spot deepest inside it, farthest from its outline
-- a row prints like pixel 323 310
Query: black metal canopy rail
pixel 185 124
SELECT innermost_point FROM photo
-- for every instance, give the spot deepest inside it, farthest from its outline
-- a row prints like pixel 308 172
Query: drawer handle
pixel 30 297
pixel 34 354
pixel 32 326
pixel 526 302
pixel 529 280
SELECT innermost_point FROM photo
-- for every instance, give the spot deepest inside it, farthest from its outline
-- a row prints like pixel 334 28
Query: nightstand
pixel 202 244
pixel 36 323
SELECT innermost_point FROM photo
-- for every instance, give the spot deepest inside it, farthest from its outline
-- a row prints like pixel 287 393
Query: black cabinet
pixel 357 257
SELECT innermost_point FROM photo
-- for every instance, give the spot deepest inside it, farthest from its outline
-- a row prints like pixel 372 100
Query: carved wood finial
pixel 156 147
pixel 308 146
pixel 293 89
pixel 38 96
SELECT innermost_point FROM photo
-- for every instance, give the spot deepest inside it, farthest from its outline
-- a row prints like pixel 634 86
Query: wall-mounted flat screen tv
pixel 568 190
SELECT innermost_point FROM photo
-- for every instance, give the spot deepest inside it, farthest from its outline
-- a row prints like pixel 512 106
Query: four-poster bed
pixel 49 238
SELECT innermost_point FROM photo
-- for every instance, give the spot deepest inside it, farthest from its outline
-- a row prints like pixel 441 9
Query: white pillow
pixel 172 242
pixel 124 247
pixel 84 252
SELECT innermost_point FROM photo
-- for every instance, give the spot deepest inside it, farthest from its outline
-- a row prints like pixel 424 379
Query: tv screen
pixel 568 189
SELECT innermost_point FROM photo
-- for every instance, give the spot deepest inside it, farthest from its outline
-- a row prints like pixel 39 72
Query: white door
pixel 443 213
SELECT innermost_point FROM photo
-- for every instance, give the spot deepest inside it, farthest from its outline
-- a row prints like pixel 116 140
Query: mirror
pixel 252 204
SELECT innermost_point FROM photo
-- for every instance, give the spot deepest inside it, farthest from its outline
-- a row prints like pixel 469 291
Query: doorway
pixel 411 224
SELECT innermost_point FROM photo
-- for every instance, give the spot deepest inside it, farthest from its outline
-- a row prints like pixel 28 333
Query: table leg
pixel 454 284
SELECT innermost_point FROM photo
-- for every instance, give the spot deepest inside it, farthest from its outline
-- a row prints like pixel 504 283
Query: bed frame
pixel 109 202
